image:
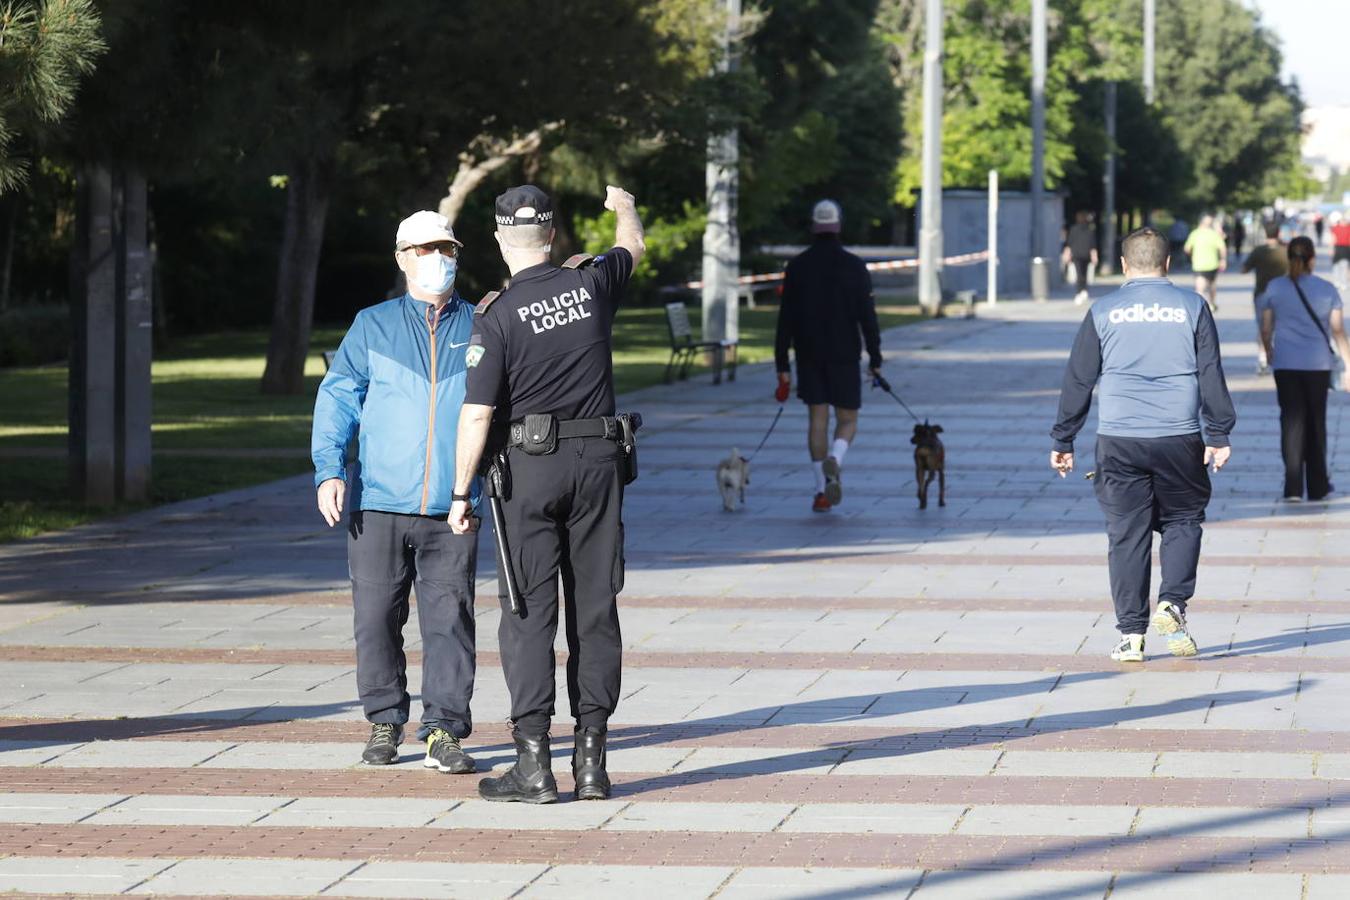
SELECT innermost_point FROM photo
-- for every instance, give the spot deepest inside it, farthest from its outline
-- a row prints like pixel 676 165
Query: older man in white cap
pixel 827 316
pixel 399 374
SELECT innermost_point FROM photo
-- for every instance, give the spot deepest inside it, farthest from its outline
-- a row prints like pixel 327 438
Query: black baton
pixel 503 555
pixel 498 525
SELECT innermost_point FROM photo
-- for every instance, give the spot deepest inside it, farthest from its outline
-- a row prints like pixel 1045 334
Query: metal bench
pixel 684 349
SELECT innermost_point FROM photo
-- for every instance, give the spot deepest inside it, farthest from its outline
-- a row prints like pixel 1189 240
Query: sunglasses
pixel 445 248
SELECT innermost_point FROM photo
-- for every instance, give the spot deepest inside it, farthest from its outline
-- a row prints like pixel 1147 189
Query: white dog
pixel 733 474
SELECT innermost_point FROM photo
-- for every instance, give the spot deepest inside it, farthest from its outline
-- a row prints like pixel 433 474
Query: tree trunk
pixel 7 264
pixel 308 190
pixel 484 157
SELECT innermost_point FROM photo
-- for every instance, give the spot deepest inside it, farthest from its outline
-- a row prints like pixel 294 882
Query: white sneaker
pixel 1079 297
pixel 1130 648
pixel 834 489
pixel 1170 622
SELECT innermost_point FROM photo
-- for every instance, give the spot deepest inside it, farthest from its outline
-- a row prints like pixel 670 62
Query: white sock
pixel 819 466
pixel 839 448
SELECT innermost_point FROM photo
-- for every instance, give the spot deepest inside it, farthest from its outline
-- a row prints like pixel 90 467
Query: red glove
pixel 781 394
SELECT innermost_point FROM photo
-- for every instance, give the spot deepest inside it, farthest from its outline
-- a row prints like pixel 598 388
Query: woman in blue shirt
pixel 1299 314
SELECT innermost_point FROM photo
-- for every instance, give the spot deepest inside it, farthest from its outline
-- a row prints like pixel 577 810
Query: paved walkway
pixel 875 703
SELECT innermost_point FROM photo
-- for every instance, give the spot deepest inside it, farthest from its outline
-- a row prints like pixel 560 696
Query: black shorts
pixel 1341 252
pixel 838 384
pixel 1207 274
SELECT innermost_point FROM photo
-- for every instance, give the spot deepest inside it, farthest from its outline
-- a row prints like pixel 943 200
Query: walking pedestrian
pixel 1080 249
pixel 1209 257
pixel 1340 258
pixel 399 375
pixel 827 316
pixel 1269 262
pixel 1155 350
pixel 541 371
pixel 1300 314
pixel 1238 235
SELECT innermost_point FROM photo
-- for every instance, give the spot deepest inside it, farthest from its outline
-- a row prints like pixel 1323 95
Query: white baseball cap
pixel 424 227
pixel 826 217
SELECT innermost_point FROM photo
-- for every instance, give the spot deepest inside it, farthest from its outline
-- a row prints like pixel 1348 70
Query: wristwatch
pixel 455 498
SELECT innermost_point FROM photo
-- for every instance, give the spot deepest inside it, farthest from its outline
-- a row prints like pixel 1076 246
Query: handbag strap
pixel 1313 315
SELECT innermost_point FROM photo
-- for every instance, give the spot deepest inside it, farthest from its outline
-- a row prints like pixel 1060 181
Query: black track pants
pixel 1146 485
pixel 564 517
pixel 1303 430
pixel 388 554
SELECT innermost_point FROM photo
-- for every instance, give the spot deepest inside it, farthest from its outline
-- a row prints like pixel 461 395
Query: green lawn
pixel 206 398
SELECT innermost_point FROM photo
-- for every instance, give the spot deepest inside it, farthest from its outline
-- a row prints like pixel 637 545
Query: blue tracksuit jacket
pixel 1156 350
pixel 399 376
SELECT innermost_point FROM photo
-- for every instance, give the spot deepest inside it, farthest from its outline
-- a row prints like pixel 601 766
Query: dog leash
pixel 772 425
pixel 879 382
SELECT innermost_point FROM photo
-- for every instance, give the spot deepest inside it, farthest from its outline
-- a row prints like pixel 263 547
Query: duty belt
pixel 599 426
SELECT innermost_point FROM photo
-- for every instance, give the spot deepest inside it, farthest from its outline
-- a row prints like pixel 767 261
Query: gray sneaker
pixel 382 748
pixel 445 753
pixel 1170 622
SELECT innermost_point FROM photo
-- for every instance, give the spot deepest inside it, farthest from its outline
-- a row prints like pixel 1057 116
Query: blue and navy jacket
pixel 399 376
pixel 1155 349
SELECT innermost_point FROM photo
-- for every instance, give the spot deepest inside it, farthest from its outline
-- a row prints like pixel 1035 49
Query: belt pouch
pixel 536 434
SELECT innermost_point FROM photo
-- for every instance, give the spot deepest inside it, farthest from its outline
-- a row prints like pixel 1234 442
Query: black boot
pixel 530 780
pixel 588 764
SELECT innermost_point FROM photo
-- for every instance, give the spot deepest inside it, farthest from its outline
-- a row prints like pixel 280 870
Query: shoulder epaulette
pixel 488 299
pixel 579 261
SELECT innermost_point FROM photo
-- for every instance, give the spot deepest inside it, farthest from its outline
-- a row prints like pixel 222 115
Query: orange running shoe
pixel 821 503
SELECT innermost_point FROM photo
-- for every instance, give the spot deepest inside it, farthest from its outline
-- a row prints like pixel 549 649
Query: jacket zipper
pixel 431 407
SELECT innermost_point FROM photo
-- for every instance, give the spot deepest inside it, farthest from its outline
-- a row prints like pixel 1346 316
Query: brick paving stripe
pixel 1189 853
pixel 761 660
pixel 713 787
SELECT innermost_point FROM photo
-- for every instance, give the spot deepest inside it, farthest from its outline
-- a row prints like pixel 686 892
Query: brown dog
pixel 930 459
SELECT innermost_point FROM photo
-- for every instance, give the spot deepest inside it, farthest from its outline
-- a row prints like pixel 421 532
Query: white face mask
pixel 435 273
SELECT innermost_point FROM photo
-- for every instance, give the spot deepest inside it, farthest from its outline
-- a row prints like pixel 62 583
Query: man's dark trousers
pixel 1146 485
pixel 388 554
pixel 564 517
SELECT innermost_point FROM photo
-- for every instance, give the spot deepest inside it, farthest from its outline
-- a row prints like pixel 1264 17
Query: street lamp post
pixel 930 211
pixel 1038 39
pixel 721 239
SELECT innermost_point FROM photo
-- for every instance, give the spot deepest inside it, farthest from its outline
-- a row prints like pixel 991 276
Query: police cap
pixel 524 205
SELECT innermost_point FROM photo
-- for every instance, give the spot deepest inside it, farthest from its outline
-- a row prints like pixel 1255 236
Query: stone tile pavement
pixel 880 702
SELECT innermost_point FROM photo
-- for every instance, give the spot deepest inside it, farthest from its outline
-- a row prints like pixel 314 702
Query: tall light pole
pixel 1108 231
pixel 1038 38
pixel 930 207
pixel 1150 27
pixel 721 238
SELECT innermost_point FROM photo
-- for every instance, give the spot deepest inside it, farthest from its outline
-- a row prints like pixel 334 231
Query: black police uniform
pixel 544 347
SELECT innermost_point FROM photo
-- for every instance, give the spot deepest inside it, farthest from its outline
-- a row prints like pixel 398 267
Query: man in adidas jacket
pixel 1155 350
pixel 398 381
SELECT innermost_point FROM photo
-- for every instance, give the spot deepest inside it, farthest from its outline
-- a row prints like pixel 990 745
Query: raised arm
pixel 628 232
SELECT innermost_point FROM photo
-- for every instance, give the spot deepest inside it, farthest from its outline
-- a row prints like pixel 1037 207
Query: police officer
pixel 1155 350
pixel 541 379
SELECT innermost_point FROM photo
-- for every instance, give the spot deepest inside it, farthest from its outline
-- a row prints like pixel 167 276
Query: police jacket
pixel 399 376
pixel 1155 349
pixel 827 311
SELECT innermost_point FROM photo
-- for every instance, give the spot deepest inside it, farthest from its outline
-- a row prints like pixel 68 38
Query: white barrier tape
pixel 896 265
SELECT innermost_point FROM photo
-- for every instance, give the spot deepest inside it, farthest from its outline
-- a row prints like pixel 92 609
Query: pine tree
pixel 45 46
